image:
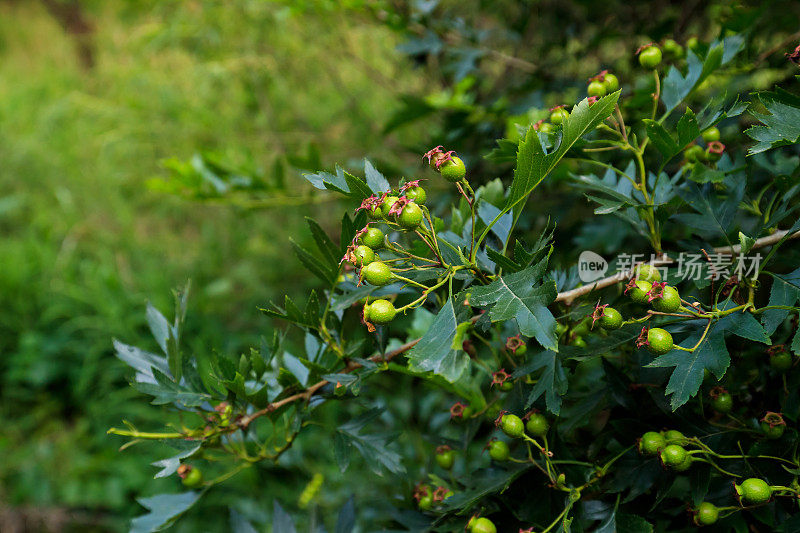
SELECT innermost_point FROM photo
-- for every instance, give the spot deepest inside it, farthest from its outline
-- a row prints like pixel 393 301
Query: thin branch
pixel 568 296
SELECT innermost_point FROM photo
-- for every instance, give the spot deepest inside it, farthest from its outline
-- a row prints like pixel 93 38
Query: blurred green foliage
pixel 85 243
pixel 259 88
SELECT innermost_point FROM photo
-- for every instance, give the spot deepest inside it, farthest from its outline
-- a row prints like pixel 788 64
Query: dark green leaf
pixel 661 139
pixel 780 126
pixel 164 510
pixel 711 354
pixel 346 523
pixel 375 180
pixel 281 521
pixel 439 350
pixel 313 264
pixel 330 252
pixel 533 164
pixel 524 297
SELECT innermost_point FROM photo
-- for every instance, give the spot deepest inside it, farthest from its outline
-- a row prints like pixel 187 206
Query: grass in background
pixel 84 244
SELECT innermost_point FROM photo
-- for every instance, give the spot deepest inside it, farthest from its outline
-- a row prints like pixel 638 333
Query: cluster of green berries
pixel 402 208
pixel 667 445
pixel 712 152
pixel 602 84
pixel 427 497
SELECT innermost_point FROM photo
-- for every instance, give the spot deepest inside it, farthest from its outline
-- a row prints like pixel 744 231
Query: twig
pixel 568 296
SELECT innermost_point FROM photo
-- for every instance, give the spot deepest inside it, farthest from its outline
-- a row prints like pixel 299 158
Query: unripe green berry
pixel 373 238
pixel 410 217
pixel 559 115
pixel 416 194
pixel 596 88
pixel 483 525
pixel 377 273
pixel 647 272
pixel 706 514
pixel 669 302
pixel 387 204
pixel 651 443
pixel 537 425
pixel 512 425
pixel 673 455
pixel 659 341
pixel 611 319
pixel 781 361
pixel 381 312
pixel 611 82
pixel 753 491
pixel 638 293
pixel 193 478
pixel 453 170
pixel 711 134
pixel 650 57
pixel 363 255
pixel 445 457
pixel 498 450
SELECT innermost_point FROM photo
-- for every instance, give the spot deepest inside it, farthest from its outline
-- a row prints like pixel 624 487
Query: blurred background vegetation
pixel 106 107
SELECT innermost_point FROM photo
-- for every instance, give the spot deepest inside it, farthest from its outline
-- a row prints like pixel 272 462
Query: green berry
pixel 387 204
pixel 483 525
pixel 453 170
pixel 537 425
pixel 651 443
pixel 692 43
pixel 638 292
pixel 193 478
pixel 669 302
pixel 381 312
pixel 673 455
pixel 659 341
pixel 706 514
pixel 596 88
pixel 363 255
pixel 445 457
pixel 425 503
pixel 611 82
pixel 772 432
pixel 711 134
pixel 375 212
pixel 695 153
pixel 650 57
pixel 753 491
pixel 647 272
pixel 712 156
pixel 546 127
pixel 377 273
pixel 410 217
pixel 723 403
pixel 559 115
pixel 611 319
pixel 685 465
pixel 416 194
pixel 781 361
pixel 498 450
pixel 373 238
pixel 674 435
pixel 673 49
pixel 773 425
pixel 512 425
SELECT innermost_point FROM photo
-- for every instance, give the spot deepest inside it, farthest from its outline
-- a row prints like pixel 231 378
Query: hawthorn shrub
pixel 648 390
